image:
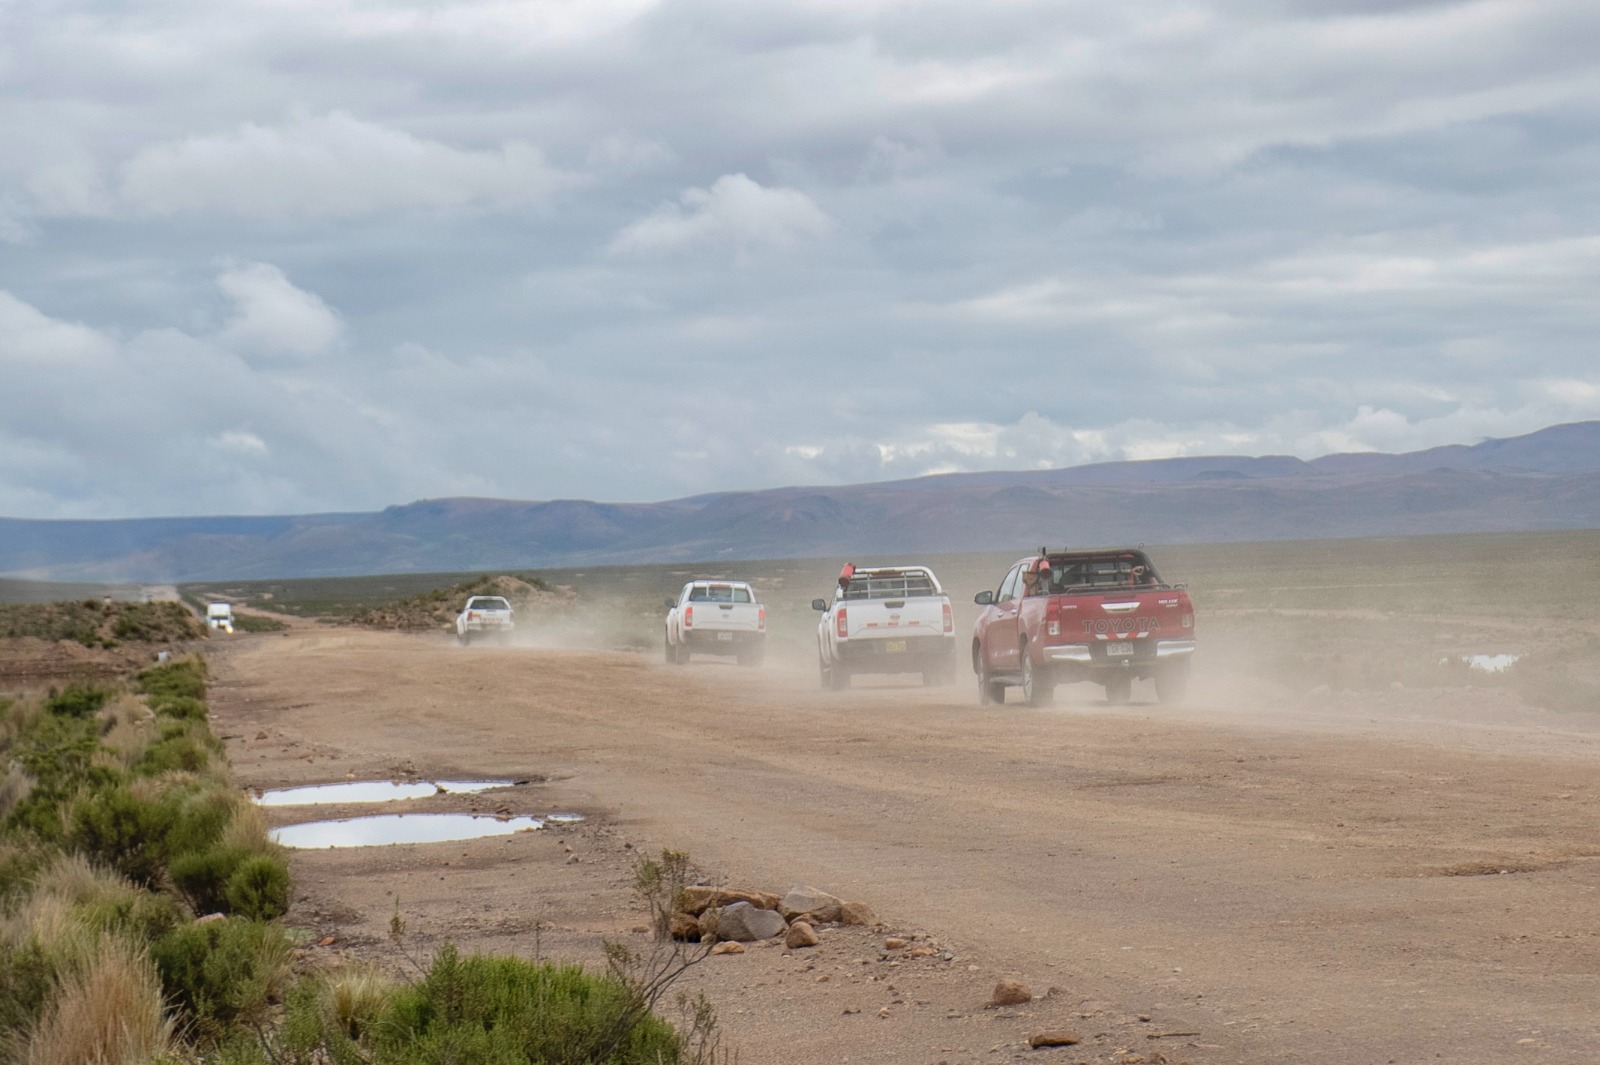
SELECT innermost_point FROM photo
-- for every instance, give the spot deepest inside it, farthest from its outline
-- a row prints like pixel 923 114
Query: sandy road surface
pixel 1253 877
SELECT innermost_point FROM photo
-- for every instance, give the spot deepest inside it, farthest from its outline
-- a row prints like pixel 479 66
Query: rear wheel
pixel 672 654
pixel 839 677
pixel 1172 681
pixel 1037 690
pixel 1119 689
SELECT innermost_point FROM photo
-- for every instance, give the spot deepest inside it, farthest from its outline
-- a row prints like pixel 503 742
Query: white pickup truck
pixel 485 615
pixel 716 618
pixel 891 619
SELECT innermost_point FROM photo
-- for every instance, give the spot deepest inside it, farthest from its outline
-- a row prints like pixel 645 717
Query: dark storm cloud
pixel 282 257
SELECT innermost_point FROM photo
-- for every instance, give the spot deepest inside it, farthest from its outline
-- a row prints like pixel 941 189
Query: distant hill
pixel 1545 480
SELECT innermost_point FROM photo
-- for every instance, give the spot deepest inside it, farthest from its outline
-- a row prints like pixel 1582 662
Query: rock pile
pixel 715 914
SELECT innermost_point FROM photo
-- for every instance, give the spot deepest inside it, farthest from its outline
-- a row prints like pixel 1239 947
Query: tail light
pixel 688 617
pixel 761 620
pixel 841 624
pixel 1052 617
pixel 949 619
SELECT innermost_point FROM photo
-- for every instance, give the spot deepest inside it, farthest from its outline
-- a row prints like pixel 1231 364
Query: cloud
pixel 331 166
pixel 273 318
pixel 734 211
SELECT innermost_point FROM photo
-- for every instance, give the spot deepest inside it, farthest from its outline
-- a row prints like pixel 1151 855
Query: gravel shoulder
pixel 1253 877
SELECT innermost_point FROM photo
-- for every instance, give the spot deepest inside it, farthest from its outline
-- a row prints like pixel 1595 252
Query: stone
pixel 697 898
pixel 808 900
pixel 210 917
pixel 683 926
pixel 857 913
pixel 741 922
pixel 1054 1039
pixel 921 952
pixel 728 948
pixel 894 943
pixel 801 934
pixel 1010 993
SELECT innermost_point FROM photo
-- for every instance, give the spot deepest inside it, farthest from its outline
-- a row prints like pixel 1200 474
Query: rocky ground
pixel 1258 876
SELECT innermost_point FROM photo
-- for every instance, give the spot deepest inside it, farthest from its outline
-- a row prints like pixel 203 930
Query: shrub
pixel 179 747
pixel 506 1009
pixel 222 973
pixel 122 830
pixel 256 623
pixel 186 677
pixel 259 888
pixel 78 700
pixel 180 707
pixel 203 877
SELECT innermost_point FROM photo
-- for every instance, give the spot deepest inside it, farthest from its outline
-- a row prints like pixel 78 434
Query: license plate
pixel 725 636
pixel 1114 649
pixel 894 647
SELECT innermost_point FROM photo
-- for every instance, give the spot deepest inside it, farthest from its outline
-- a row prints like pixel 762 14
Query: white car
pixel 485 615
pixel 886 619
pixel 219 616
pixel 716 618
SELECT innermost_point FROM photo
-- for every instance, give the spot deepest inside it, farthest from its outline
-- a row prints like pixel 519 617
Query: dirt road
pixel 1253 877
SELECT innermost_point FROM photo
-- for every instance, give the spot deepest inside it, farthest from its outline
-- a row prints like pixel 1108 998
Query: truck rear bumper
pixel 713 642
pixel 911 654
pixel 1083 661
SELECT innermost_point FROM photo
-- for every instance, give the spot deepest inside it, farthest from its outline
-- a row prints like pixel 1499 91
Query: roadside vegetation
pixel 99 623
pixel 435 610
pixel 140 921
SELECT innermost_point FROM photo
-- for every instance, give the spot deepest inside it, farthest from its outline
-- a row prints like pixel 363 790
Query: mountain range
pixel 1545 480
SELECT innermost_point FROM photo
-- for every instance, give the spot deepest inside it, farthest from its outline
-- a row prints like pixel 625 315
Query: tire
pixel 822 672
pixel 1172 682
pixel 466 639
pixel 672 655
pixel 681 654
pixel 1119 689
pixel 839 677
pixel 1037 689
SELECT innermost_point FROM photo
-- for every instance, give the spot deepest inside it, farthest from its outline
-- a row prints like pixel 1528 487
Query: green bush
pixel 202 877
pixel 259 888
pixel 488 1009
pixel 221 973
pixel 178 746
pixel 256 623
pixel 179 707
pixel 185 677
pixel 119 829
pixel 27 983
pixel 78 700
pixel 142 916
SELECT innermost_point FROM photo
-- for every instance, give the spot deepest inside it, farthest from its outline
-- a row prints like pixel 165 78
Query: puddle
pixel 386 829
pixel 1487 663
pixel 563 819
pixel 372 791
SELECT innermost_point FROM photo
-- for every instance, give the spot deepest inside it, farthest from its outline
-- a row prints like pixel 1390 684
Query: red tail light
pixel 1052 617
pixel 949 619
pixel 688 617
pixel 841 624
pixel 761 620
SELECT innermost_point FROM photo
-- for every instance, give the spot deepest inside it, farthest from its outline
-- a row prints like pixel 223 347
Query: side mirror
pixel 819 604
pixel 984 598
pixel 671 602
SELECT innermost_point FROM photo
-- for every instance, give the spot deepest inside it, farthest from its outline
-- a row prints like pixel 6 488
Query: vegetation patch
pixel 140 900
pixel 97 623
pixel 435 610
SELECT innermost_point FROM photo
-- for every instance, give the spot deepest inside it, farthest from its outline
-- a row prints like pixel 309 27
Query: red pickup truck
pixel 1102 616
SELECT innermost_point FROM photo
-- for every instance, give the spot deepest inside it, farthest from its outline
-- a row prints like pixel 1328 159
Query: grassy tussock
pixel 108 1010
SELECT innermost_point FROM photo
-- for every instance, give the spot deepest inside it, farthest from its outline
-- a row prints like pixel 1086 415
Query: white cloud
pixel 240 442
pixel 335 165
pixel 29 336
pixel 274 318
pixel 734 211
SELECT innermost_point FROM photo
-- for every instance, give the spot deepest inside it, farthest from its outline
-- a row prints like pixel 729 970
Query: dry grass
pixel 109 1011
pixel 127 729
pixel 247 828
pixel 356 998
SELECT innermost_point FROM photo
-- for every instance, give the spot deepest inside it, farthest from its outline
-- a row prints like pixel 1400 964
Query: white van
pixel 219 616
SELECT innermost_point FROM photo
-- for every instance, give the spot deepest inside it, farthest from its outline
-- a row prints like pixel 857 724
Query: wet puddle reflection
pixel 387 829
pixel 373 791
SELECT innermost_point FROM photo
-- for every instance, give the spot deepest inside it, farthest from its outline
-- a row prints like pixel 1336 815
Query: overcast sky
pixel 318 255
